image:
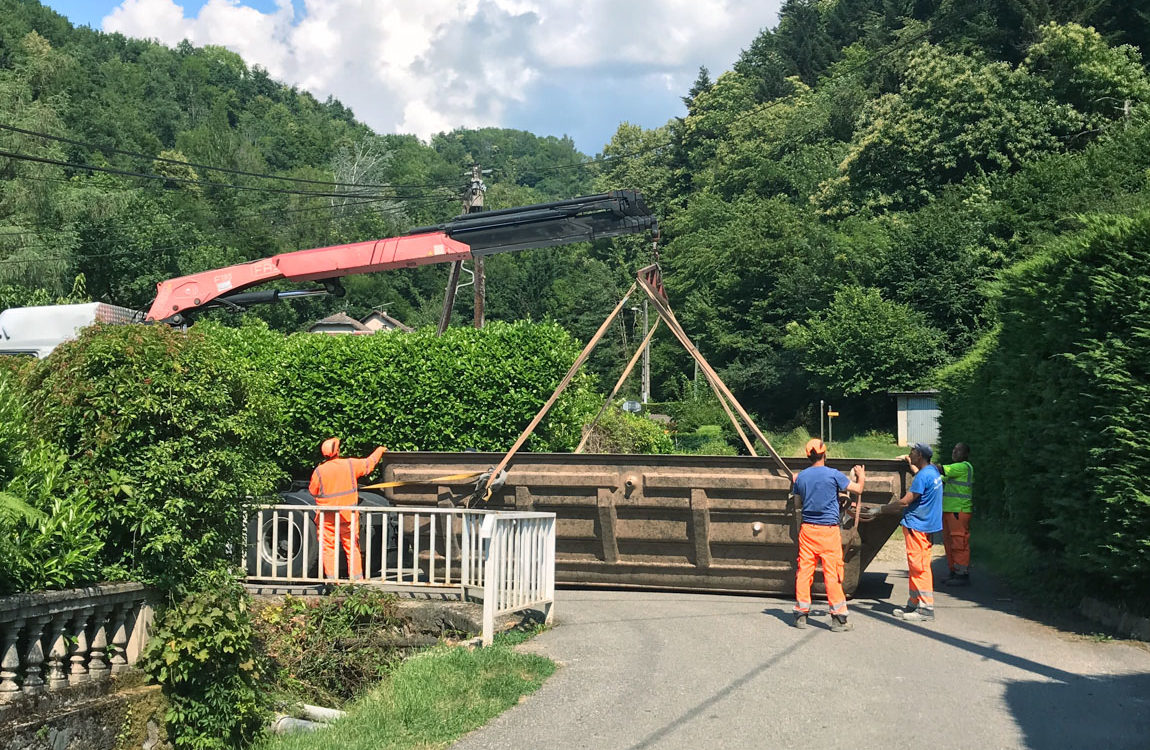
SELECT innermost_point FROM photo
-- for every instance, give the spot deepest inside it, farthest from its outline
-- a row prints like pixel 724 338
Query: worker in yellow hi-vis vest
pixel 957 507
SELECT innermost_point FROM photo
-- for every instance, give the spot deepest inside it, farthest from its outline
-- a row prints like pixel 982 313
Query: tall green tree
pixel 862 344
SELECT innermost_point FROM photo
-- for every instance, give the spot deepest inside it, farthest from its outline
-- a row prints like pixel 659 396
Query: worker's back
pixel 334 482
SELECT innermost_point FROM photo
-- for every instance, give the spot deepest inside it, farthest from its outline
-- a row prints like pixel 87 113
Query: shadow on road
pixel 787 616
pixel 873 586
pixel 881 611
pixel 1083 712
pixel 988 592
pixel 1060 710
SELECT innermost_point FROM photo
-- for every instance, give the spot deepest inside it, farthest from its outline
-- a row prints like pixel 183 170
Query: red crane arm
pixel 176 296
pixel 581 219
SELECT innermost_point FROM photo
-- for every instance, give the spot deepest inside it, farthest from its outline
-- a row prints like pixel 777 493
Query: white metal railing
pixel 504 558
pixel 53 639
pixel 519 565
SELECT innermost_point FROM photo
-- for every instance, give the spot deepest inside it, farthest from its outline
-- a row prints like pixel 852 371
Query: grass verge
pixel 1047 592
pixel 1014 560
pixel 869 445
pixel 430 700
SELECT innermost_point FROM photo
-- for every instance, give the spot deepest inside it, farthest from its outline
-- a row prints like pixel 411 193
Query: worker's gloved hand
pixel 874 511
pixel 382 448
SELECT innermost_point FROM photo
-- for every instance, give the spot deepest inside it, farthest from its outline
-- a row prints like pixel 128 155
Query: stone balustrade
pixel 54 639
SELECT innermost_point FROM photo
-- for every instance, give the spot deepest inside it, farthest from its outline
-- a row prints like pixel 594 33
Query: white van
pixel 36 331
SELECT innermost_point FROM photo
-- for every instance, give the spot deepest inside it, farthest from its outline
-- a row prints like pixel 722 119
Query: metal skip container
pixel 694 523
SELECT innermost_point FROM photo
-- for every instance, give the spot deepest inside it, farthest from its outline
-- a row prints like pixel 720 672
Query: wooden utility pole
pixel 473 202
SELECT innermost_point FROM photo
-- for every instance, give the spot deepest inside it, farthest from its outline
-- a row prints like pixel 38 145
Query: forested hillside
pixel 840 204
pixel 836 208
pixel 274 170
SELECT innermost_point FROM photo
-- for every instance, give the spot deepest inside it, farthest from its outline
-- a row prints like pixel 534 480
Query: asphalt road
pixel 658 670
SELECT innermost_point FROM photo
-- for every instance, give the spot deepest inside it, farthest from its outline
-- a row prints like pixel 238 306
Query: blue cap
pixel 923 450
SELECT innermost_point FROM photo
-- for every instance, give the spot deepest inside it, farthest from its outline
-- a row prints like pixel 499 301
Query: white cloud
pixel 432 65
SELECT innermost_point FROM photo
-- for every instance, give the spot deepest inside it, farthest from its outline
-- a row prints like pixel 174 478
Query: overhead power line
pixel 226 170
pixel 164 178
pixel 152 250
pixel 267 212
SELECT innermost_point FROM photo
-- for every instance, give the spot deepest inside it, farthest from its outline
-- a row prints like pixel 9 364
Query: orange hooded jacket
pixel 334 482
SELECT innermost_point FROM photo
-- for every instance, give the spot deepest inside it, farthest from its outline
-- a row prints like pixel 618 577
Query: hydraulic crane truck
pixel 274 543
pixel 467 236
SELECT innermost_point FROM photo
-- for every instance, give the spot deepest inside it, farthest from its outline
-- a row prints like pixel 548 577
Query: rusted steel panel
pixel 707 523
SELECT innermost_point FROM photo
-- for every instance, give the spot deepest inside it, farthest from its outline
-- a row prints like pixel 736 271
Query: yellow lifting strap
pixel 432 480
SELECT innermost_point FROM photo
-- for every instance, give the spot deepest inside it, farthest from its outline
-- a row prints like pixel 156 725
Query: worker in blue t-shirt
pixel 818 487
pixel 921 510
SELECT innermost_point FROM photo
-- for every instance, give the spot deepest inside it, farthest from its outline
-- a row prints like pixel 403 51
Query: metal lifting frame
pixel 650 280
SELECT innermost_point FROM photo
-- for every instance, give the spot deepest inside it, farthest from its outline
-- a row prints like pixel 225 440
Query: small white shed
pixel 917 417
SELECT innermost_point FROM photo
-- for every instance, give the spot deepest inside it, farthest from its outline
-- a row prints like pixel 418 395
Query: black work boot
pixel 801 620
pixel 958 579
pixel 839 624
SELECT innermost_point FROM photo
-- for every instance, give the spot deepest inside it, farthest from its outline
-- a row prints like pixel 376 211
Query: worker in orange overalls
pixel 921 511
pixel 334 482
pixel 818 486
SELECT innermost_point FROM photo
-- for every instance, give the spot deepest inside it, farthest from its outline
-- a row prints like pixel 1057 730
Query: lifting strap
pixel 450 478
pixel 649 282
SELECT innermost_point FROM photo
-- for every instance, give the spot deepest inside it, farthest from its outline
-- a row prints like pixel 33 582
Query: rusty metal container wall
pixel 701 523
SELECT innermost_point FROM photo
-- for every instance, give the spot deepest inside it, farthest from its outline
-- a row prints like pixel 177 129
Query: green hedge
pixel 467 389
pixel 1055 404
pixel 621 432
pixel 149 441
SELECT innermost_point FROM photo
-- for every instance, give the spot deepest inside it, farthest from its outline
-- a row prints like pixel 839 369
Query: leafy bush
pixel 620 432
pixel 52 540
pixel 1054 404
pixel 330 649
pixel 706 440
pixel 13 424
pixel 468 389
pixel 863 343
pixel 48 531
pixel 692 413
pixel 166 434
pixel 202 652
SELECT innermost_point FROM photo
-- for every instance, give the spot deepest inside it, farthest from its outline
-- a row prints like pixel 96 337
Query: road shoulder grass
pixel 431 700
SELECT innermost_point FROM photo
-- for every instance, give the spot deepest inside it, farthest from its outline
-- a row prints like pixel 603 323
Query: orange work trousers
pixel 956 538
pixel 918 546
pixel 347 530
pixel 825 544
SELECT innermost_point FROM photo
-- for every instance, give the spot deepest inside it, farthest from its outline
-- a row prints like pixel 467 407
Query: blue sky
pixel 552 67
pixel 92 12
